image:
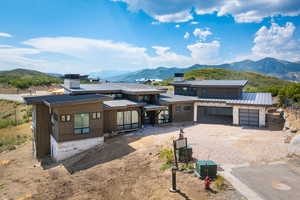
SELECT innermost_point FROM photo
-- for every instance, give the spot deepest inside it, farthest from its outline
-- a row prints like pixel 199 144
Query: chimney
pixel 72 81
pixel 178 77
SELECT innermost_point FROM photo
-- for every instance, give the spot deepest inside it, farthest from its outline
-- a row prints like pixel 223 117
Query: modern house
pixel 64 125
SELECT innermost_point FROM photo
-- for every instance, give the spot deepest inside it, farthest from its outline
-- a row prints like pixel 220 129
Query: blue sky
pixel 85 36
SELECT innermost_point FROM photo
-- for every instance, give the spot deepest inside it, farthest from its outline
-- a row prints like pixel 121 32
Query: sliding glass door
pixel 127 120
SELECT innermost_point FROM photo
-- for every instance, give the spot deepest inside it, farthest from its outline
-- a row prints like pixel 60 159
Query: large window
pixel 187 91
pixel 145 98
pixel 82 123
pixel 127 120
pixel 164 117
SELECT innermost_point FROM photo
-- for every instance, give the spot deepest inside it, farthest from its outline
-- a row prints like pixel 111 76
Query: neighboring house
pixel 64 125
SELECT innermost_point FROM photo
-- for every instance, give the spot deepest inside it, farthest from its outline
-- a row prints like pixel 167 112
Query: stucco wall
pixel 63 150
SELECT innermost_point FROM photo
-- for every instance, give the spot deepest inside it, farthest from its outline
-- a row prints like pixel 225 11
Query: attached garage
pixel 214 115
pixel 249 117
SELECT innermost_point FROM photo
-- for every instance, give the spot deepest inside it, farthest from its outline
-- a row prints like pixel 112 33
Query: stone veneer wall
pixel 63 150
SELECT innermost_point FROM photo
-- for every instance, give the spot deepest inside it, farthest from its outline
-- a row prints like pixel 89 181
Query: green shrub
pixel 5 123
pixel 166 155
pixel 166 166
pixel 220 183
pixel 188 166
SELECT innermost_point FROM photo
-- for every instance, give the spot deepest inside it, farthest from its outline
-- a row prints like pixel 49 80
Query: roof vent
pixel 72 81
pixel 178 77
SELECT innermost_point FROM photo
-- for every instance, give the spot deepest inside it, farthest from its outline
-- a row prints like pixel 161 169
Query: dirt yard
pixel 128 167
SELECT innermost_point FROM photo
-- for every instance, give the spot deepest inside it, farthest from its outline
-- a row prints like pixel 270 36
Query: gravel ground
pixel 19 97
pixel 227 145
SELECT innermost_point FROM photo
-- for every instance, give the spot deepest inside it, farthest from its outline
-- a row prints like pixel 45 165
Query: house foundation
pixel 62 150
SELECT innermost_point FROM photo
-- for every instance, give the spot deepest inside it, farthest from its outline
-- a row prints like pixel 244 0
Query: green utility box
pixel 185 154
pixel 206 168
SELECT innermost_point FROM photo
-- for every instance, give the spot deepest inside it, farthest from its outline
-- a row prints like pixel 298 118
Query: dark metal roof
pixel 122 103
pixel 129 88
pixel 230 83
pixel 176 98
pixel 65 98
pixel 247 98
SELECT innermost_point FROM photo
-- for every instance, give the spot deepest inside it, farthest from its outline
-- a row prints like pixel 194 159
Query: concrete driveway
pixel 226 145
pixel 244 154
pixel 276 181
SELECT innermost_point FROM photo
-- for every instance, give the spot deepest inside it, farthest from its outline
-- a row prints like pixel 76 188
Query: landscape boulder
pixel 286 125
pixel 294 130
pixel 294 148
pixel 288 136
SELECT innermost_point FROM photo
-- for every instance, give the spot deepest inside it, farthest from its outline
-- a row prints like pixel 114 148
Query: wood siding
pixel 183 115
pixel 65 130
pixel 41 131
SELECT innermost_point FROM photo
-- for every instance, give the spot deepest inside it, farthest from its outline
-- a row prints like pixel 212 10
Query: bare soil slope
pixel 126 168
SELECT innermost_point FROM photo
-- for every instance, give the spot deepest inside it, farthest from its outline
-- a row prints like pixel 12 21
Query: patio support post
pixel 195 112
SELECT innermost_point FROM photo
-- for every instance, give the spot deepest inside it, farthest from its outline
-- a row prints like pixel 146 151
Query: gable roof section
pixel 126 88
pixel 212 83
pixel 65 98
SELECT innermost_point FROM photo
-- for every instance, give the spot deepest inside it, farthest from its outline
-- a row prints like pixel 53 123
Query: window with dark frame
pixel 164 117
pixel 127 120
pixel 178 108
pixel 96 115
pixel 82 123
pixel 187 108
pixel 65 118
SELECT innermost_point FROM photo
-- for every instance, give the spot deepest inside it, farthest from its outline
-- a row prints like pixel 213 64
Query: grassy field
pixel 14 135
pixel 14 124
pixel 256 80
pixel 13 113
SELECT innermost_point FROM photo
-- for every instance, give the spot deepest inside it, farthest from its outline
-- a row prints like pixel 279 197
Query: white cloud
pixel 186 35
pixel 243 11
pixel 277 41
pixel 205 52
pixel 202 34
pixel 155 23
pixel 177 26
pixel 194 22
pixel 84 55
pixel 5 35
pixel 183 16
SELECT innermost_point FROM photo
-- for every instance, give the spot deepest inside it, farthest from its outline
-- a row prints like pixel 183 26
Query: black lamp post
pixel 174 189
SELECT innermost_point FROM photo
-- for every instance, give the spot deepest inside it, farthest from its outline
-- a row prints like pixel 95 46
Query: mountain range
pixel 279 68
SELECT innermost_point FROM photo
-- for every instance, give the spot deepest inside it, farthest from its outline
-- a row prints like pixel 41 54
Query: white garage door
pixel 249 117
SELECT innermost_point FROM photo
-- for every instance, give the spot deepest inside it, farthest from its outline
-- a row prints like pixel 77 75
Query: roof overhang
pixel 150 107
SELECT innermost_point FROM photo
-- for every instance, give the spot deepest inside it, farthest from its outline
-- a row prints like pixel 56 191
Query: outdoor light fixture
pixel 174 189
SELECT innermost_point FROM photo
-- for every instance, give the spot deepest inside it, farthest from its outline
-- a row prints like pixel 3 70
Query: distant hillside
pixel 256 80
pixel 21 73
pixel 270 66
pixel 23 78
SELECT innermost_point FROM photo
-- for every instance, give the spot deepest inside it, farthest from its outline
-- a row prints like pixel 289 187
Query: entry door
pixel 249 117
